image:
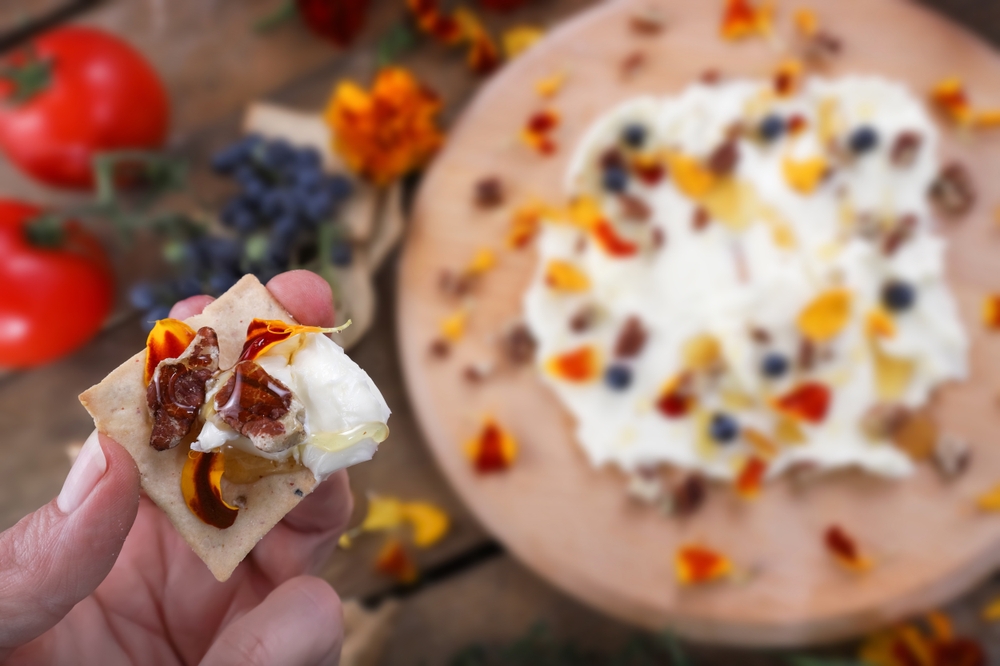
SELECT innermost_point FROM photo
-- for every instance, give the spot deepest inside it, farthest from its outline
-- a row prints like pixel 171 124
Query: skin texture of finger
pixel 189 307
pixel 305 295
pixel 305 539
pixel 299 624
pixel 50 561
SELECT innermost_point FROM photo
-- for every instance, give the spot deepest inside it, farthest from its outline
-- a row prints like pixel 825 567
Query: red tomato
pixel 53 300
pixel 99 95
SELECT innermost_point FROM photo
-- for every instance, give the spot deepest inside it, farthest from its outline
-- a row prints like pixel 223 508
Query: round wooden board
pixel 574 525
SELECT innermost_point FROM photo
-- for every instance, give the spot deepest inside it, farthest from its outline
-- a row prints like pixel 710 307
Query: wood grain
pixel 571 523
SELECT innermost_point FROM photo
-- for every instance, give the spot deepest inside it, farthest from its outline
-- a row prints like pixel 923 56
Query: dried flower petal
pixel 675 400
pixel 631 339
pixel 201 487
pixel 519 39
pixel 538 129
pixel 697 564
pixel 806 22
pixel 608 240
pixel 804 176
pixel 483 55
pixel 741 18
pixel 760 443
pixel 879 324
pixel 788 77
pixel 579 365
pixel 827 315
pixel 263 334
pixel 493 449
pixel 751 477
pixel 430 523
pixel 564 276
pixel 917 435
pixel 395 562
pixel 453 326
pixel 388 131
pixel 550 85
pixel 991 312
pixel 443 28
pixel 701 352
pixel 384 513
pixel 168 339
pixel 482 261
pixel 691 178
pixel 843 547
pixel 525 224
pixel 807 402
pixel 990 500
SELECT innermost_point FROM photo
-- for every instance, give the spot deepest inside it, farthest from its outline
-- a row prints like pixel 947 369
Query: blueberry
pixel 271 203
pixel 307 178
pixel 618 377
pixel 308 157
pixel 142 296
pixel 254 190
pixel 317 207
pixel 186 287
pixel 863 139
pixel 342 254
pixel 227 159
pixel 248 177
pixel 723 428
pixel 615 179
pixel 150 318
pixel 898 296
pixel 774 365
pixel 279 153
pixel 634 135
pixel 339 187
pixel 771 127
pixel 222 253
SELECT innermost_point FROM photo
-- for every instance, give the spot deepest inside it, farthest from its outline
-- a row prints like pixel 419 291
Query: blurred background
pixel 169 199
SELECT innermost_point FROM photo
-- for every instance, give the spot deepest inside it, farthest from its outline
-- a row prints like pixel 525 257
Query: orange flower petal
pixel 493 449
pixel 991 312
pixel 580 365
pixel 751 478
pixel 564 276
pixel 741 18
pixel 826 315
pixel 807 402
pixel 608 240
pixel 262 334
pixel 168 339
pixel 843 547
pixel 696 564
pixel 949 97
pixel 395 562
pixel 201 487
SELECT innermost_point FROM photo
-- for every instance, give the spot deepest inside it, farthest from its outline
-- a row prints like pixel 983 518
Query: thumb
pixel 56 556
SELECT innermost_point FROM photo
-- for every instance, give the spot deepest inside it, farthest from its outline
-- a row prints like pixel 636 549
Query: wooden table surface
pixel 214 64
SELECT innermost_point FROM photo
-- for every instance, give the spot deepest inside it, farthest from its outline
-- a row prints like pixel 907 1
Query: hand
pixel 65 599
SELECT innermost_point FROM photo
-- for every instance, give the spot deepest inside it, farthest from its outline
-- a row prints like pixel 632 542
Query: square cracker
pixel 118 405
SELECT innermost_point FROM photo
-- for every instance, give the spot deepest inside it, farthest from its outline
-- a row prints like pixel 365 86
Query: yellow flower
pixel 387 132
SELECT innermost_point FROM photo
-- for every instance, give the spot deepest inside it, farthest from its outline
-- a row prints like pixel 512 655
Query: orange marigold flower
pixel 387 132
pixel 912 645
pixel 741 18
pixel 696 564
pixel 493 449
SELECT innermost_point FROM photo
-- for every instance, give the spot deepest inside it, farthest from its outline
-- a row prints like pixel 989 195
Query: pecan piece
pixel 952 193
pixel 724 159
pixel 634 208
pixel 905 148
pixel 519 345
pixel 489 192
pixel 689 495
pixel 176 391
pixel 261 408
pixel 632 338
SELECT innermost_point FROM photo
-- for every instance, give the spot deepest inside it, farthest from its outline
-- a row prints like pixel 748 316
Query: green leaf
pixel 399 39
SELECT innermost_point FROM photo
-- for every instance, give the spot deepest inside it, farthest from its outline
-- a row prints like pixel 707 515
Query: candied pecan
pixel 176 391
pixel 724 159
pixel 634 208
pixel 901 232
pixel 489 192
pixel 440 348
pixel 952 192
pixel 689 495
pixel 905 148
pixel 583 319
pixel 657 238
pixel 648 21
pixel 760 335
pixel 518 344
pixel 632 63
pixel 261 408
pixel 884 420
pixel 631 339
pixel 700 219
pixel 952 456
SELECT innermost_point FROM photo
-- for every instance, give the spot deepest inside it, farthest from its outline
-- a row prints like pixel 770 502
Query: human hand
pixel 77 586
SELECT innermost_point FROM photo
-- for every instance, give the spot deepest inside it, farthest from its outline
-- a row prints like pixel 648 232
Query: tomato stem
pixel 28 74
pixel 284 13
pixel 46 230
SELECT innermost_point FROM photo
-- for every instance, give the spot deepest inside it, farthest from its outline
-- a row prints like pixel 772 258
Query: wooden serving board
pixel 574 524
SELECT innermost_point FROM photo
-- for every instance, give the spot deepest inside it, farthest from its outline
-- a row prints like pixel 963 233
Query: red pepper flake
pixel 845 549
pixel 492 450
pixel 609 241
pixel 395 562
pixel 695 564
pixel 579 365
pixel 807 402
pixel 751 477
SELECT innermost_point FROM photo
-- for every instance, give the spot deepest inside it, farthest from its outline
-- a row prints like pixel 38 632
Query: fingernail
pixel 88 469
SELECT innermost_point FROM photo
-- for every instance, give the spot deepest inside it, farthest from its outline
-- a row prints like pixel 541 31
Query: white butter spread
pixel 743 279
